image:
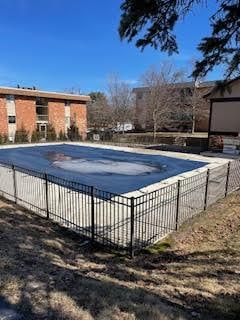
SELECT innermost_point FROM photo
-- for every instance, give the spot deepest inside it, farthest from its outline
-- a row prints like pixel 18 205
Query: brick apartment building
pixel 33 109
pixel 202 116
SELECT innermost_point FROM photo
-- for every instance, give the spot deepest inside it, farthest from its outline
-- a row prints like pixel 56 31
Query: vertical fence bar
pixel 46 194
pixel 206 190
pixel 14 183
pixel 227 179
pixel 131 249
pixel 178 201
pixel 92 215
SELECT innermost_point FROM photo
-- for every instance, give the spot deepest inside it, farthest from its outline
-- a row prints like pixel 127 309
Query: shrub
pixel 62 136
pixel 51 133
pixel 21 135
pixel 5 138
pixel 73 133
pixel 35 136
pixel 216 142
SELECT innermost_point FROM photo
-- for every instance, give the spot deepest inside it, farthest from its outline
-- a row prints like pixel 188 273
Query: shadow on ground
pixel 7 311
pixel 46 274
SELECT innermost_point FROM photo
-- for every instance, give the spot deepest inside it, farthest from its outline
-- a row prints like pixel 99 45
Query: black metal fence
pixel 117 221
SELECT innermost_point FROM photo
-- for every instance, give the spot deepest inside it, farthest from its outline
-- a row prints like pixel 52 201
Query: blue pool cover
pixel 106 169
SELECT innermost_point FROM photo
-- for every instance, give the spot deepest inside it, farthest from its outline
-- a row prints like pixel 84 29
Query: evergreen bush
pixel 21 135
pixel 73 133
pixel 62 136
pixel 35 136
pixel 51 133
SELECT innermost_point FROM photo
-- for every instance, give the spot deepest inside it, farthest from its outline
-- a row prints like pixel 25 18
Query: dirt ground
pixel 48 273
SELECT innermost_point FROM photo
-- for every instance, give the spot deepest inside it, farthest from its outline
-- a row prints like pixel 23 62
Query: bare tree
pixel 199 106
pixel 121 100
pixel 162 99
pixel 99 112
pixel 194 107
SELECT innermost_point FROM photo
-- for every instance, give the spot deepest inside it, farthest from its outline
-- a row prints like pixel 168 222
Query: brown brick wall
pixel 25 113
pixel 78 113
pixel 56 115
pixel 3 116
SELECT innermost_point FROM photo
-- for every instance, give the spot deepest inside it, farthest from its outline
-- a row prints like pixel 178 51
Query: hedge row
pixel 22 135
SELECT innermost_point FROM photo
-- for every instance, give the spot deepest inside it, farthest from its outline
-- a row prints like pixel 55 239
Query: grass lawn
pixel 45 273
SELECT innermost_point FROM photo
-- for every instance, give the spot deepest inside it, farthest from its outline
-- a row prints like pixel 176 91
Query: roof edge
pixel 216 88
pixel 204 84
pixel 40 93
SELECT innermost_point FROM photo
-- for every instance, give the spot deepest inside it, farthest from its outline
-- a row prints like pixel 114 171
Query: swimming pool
pixel 116 171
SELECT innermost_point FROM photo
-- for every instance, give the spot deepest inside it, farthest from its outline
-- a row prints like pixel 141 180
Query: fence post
pixel 14 183
pixel 227 178
pixel 178 201
pixel 92 215
pixel 206 190
pixel 46 193
pixel 131 249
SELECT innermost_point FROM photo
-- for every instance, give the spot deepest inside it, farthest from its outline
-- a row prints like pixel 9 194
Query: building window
pixel 11 119
pixel 42 109
pixel 67 103
pixel 41 102
pixel 10 97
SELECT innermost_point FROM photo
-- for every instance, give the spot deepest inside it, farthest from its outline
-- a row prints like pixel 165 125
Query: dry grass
pixel 46 274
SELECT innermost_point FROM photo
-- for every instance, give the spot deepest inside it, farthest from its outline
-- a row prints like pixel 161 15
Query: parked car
pixel 126 127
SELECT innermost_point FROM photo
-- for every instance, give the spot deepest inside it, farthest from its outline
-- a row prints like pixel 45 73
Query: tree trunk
pixel 154 132
pixel 154 126
pixel 193 121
